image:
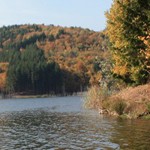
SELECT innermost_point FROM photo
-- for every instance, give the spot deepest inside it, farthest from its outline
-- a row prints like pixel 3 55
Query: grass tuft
pixel 119 107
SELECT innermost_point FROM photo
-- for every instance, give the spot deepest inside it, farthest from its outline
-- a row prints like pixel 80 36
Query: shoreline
pixel 26 96
pixel 130 103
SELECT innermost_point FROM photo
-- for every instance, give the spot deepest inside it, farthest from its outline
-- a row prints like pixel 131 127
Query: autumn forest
pixel 39 59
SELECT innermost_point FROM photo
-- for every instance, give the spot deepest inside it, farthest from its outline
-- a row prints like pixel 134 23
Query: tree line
pixel 29 72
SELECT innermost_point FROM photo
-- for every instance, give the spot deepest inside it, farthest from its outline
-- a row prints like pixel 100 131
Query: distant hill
pixel 77 51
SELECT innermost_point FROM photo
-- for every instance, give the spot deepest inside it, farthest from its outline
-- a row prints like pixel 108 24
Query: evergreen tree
pixel 29 72
pixel 12 73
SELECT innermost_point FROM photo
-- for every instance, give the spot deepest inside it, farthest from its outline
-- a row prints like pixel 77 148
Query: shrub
pixel 95 97
pixel 119 107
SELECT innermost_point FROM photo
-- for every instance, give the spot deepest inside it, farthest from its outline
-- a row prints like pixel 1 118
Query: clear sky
pixel 80 13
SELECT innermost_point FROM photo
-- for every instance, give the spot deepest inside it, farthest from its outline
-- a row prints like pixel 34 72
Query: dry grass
pixel 94 97
pixel 136 98
pixel 137 94
pixel 134 102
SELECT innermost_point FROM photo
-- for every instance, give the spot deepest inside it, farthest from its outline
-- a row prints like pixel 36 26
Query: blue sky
pixel 80 13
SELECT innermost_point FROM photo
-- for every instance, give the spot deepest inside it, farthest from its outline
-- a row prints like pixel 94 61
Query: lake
pixel 62 123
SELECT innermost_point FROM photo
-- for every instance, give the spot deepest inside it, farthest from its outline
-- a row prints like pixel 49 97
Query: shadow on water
pixel 50 128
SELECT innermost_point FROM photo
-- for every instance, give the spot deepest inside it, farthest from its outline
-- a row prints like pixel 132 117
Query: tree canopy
pixel 128 28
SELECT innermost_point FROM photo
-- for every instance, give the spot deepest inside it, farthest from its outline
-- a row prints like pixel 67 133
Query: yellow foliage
pixel 128 57
pixel 120 70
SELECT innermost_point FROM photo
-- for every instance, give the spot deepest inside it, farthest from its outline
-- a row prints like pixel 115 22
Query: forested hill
pixel 50 59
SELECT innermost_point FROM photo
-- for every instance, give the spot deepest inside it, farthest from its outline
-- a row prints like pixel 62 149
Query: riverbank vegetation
pixel 131 102
pixel 128 30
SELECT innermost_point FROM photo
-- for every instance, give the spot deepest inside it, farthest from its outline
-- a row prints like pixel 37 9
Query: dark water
pixel 61 123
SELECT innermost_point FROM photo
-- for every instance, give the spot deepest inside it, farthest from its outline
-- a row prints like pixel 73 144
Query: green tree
pixel 54 78
pixel 29 72
pixel 25 69
pixel 128 28
pixel 12 72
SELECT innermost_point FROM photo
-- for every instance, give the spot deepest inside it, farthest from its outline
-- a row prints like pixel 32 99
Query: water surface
pixel 62 123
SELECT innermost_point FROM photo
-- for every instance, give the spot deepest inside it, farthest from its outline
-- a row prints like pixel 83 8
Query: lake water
pixel 61 123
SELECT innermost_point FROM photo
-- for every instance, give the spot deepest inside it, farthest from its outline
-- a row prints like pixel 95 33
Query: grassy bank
pixel 132 102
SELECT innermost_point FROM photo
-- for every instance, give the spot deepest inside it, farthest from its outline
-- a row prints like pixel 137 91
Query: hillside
pixel 77 51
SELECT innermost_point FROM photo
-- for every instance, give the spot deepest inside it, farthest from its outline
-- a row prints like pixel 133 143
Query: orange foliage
pixel 81 67
pixel 2 80
pixel 3 68
pixel 74 49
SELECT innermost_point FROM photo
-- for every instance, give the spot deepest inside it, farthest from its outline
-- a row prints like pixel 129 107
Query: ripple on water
pixel 40 129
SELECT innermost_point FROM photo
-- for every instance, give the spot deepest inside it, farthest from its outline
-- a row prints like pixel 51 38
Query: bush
pixel 119 107
pixel 95 97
